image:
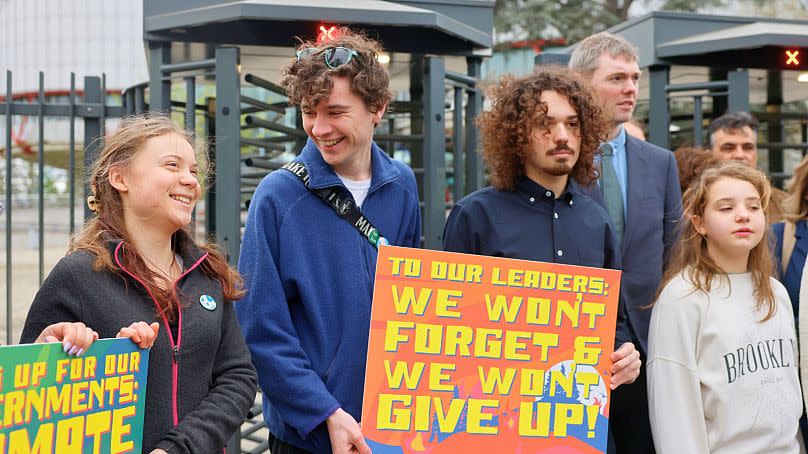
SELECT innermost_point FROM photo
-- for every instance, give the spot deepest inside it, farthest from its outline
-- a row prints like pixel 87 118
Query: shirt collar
pixel 321 174
pixel 619 142
pixel 537 191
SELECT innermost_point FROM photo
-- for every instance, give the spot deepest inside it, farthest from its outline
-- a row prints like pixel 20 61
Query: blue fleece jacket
pixel 309 275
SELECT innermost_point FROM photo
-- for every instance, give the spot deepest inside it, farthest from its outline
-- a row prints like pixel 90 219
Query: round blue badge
pixel 207 302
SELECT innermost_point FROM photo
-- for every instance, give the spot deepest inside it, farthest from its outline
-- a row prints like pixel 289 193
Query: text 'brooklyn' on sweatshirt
pixel 719 379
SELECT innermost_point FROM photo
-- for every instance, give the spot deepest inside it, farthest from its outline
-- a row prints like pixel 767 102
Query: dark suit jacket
pixel 653 214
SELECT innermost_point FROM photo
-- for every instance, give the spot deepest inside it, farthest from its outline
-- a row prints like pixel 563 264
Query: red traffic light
pixel 792 57
pixel 327 34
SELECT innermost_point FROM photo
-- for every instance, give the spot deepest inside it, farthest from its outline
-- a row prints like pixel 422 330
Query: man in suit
pixel 733 137
pixel 639 187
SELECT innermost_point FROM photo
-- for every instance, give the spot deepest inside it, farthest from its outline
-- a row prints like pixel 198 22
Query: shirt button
pixel 560 252
pixel 532 199
pixel 548 194
pixel 570 202
pixel 555 215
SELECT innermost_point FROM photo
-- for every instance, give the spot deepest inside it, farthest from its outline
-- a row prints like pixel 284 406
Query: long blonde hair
pixel 690 255
pixel 119 149
pixel 795 205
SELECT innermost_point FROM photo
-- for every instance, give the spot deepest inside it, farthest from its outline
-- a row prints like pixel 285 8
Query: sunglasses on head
pixel 334 56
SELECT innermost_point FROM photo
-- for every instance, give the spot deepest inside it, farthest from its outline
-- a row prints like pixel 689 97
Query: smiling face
pixel 160 187
pixel 733 221
pixel 342 127
pixel 616 81
pixel 555 143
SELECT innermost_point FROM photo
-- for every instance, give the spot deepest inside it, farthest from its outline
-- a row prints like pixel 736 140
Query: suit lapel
pixel 636 161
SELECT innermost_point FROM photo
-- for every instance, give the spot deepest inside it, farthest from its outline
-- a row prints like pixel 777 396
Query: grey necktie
pixel 612 195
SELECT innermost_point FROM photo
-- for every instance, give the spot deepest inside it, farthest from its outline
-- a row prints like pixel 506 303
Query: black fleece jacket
pixel 216 380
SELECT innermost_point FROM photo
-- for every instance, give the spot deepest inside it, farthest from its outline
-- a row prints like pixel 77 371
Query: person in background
pixel 639 187
pixel 733 137
pixel 791 234
pixel 136 260
pixel 634 128
pixel 722 358
pixel 790 251
pixel 692 161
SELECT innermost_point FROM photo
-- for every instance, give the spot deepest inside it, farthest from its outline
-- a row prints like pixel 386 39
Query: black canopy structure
pixel 416 26
pixel 729 46
pixel 426 30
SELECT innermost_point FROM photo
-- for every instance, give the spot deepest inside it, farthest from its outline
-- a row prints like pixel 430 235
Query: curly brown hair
pixel 692 161
pixel 516 109
pixel 309 80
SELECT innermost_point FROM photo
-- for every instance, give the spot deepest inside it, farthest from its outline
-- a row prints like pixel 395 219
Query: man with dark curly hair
pixel 541 130
pixel 639 187
pixel 309 251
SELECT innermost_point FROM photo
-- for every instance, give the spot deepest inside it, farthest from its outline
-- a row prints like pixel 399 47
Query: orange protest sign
pixel 490 354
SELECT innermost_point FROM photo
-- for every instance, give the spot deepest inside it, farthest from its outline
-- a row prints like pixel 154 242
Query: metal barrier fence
pixel 88 106
pixel 234 122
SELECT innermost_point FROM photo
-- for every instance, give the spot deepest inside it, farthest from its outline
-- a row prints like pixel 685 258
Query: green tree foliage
pixel 572 19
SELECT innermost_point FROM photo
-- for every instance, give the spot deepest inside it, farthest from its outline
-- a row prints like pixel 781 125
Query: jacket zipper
pixel 175 347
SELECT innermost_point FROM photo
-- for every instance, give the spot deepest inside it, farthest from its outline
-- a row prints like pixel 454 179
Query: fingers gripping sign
pixel 141 333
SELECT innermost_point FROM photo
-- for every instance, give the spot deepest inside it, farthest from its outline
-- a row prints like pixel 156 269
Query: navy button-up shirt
pixel 530 223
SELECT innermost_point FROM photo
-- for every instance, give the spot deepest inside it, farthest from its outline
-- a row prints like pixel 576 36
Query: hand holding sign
pixel 486 354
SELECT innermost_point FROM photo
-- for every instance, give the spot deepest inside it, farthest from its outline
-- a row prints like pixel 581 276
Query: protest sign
pixel 51 402
pixel 488 354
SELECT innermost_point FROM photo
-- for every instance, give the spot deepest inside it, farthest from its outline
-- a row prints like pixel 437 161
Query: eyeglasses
pixel 334 56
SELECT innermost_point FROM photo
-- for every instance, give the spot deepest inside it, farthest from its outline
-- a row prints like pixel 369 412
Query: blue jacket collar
pixel 321 175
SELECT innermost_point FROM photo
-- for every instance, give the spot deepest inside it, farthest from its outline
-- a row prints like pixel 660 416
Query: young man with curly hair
pixel 308 255
pixel 541 130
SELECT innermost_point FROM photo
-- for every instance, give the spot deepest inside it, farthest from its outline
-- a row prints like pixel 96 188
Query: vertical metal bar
pixel 41 177
pixel 774 124
pixel 698 120
pixel 659 114
pixel 159 90
pixel 416 147
pixel 71 175
pixel 9 102
pixel 434 152
pixel 140 99
pixel 210 197
pixel 474 163
pixel 390 146
pixel 103 120
pixel 228 166
pixel 804 136
pixel 190 104
pixel 190 122
pixel 738 90
pixel 92 132
pixel 459 162
pixel 129 101
pixel 228 152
